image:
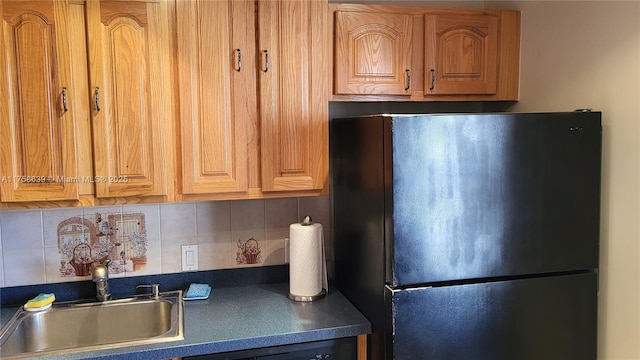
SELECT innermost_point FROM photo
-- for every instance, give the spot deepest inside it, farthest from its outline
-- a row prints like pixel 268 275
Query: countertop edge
pixel 332 317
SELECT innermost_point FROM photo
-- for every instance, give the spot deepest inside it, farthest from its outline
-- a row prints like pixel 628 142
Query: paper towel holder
pixel 306 222
pixel 307 298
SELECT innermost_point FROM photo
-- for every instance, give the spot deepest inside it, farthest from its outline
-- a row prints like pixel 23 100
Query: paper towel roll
pixel 307 262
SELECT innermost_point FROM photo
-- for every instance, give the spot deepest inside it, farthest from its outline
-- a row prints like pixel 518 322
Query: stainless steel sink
pixel 76 326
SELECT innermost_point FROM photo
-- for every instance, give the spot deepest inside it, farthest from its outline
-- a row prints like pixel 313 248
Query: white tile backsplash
pixel 24 266
pixel 248 233
pixel 54 268
pixel 318 207
pixel 215 255
pixel 213 219
pixel 153 263
pixel 172 252
pixel 177 219
pixel 22 229
pixel 275 252
pixel 98 215
pixel 52 218
pixel 247 215
pixel 280 213
pixel 152 217
pixel 30 252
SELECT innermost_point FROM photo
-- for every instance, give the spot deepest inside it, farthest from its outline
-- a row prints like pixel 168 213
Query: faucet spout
pixel 100 276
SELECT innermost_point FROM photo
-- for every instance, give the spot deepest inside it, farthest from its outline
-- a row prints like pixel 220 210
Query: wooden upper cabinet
pixel 461 54
pixel 402 53
pixel 293 83
pixel 128 65
pixel 37 143
pixel 217 93
pixel 373 53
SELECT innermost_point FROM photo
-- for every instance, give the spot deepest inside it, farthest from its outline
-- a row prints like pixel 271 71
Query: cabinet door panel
pixel 212 75
pixel 36 132
pixel 293 94
pixel 127 69
pixel 461 54
pixel 373 53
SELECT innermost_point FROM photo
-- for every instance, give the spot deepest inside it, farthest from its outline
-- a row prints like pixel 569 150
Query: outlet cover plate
pixel 189 257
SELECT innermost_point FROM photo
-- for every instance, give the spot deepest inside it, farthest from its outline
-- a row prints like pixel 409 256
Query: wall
pixel 38 246
pixel 586 54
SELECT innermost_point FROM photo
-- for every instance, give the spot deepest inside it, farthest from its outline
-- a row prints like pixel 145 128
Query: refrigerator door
pixel 537 318
pixel 491 195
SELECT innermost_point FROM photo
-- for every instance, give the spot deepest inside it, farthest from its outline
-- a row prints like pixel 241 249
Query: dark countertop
pixel 240 318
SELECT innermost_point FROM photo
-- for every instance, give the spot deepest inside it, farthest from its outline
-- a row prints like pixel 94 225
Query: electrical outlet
pixel 189 257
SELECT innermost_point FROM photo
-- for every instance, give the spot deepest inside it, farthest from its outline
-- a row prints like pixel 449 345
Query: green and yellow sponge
pixel 40 302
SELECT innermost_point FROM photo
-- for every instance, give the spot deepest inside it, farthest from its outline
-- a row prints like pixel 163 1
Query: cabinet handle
pixel 408 82
pixel 265 55
pixel 238 60
pixel 97 97
pixel 433 79
pixel 64 99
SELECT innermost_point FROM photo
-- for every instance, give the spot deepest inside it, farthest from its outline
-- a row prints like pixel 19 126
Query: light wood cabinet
pixel 253 100
pixel 293 83
pixel 129 64
pixel 399 53
pixel 88 106
pixel 251 96
pixel 37 138
pixel 217 93
pixel 373 53
pixel 461 54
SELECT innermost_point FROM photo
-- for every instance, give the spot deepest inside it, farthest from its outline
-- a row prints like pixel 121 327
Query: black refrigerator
pixel 470 236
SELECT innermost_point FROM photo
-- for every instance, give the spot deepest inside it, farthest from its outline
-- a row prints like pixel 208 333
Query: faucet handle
pixel 155 289
pixel 100 272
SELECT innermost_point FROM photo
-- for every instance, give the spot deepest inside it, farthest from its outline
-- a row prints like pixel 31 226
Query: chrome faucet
pixel 100 276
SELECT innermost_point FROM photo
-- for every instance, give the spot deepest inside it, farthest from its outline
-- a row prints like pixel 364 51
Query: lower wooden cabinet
pixel 338 349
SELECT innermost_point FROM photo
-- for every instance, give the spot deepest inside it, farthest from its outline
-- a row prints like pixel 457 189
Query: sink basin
pixel 76 326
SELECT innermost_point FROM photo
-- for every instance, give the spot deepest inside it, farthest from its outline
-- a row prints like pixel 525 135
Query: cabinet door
pixel 217 93
pixel 129 61
pixel 37 144
pixel 461 54
pixel 373 53
pixel 293 94
pixel 338 349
